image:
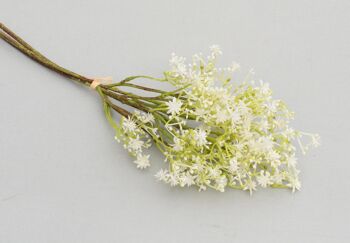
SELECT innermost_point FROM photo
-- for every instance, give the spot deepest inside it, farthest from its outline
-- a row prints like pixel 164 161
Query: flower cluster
pixel 216 134
pixel 135 135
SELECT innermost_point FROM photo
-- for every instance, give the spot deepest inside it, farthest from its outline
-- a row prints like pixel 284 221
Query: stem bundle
pixel 107 92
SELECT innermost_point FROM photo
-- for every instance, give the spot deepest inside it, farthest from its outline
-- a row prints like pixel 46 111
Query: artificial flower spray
pixel 214 132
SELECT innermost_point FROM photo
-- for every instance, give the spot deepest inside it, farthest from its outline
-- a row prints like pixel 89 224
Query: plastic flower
pixel 174 106
pixel 129 125
pixel 214 132
pixel 264 179
pixel 200 137
pixel 162 175
pixel 142 161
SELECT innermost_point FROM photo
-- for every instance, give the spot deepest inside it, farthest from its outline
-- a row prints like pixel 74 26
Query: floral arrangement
pixel 213 132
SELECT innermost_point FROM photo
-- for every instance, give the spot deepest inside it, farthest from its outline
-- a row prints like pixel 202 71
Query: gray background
pixel 64 179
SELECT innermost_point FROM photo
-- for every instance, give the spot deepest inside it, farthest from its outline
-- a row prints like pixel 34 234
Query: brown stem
pixel 124 100
pixel 20 40
pixel 18 43
pixel 118 109
pixel 147 98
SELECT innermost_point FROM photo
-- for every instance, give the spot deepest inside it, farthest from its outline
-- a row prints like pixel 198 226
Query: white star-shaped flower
pixel 264 179
pixel 142 161
pixel 214 172
pixel 215 50
pixel 187 180
pixel 200 137
pixel 129 125
pixel 174 106
pixel 264 87
pixel 221 183
pixel 233 167
pixel 250 185
pixel 135 144
pixel 162 175
pixel 272 106
pixel 234 67
pixel 178 64
pixel 173 180
pixel 294 183
pixel 200 112
pixel 148 118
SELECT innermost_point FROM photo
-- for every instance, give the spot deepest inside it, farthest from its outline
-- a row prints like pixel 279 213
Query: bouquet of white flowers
pixel 212 131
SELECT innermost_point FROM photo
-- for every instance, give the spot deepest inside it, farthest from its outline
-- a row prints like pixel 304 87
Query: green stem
pixel 143 88
pixel 128 79
pixel 155 100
